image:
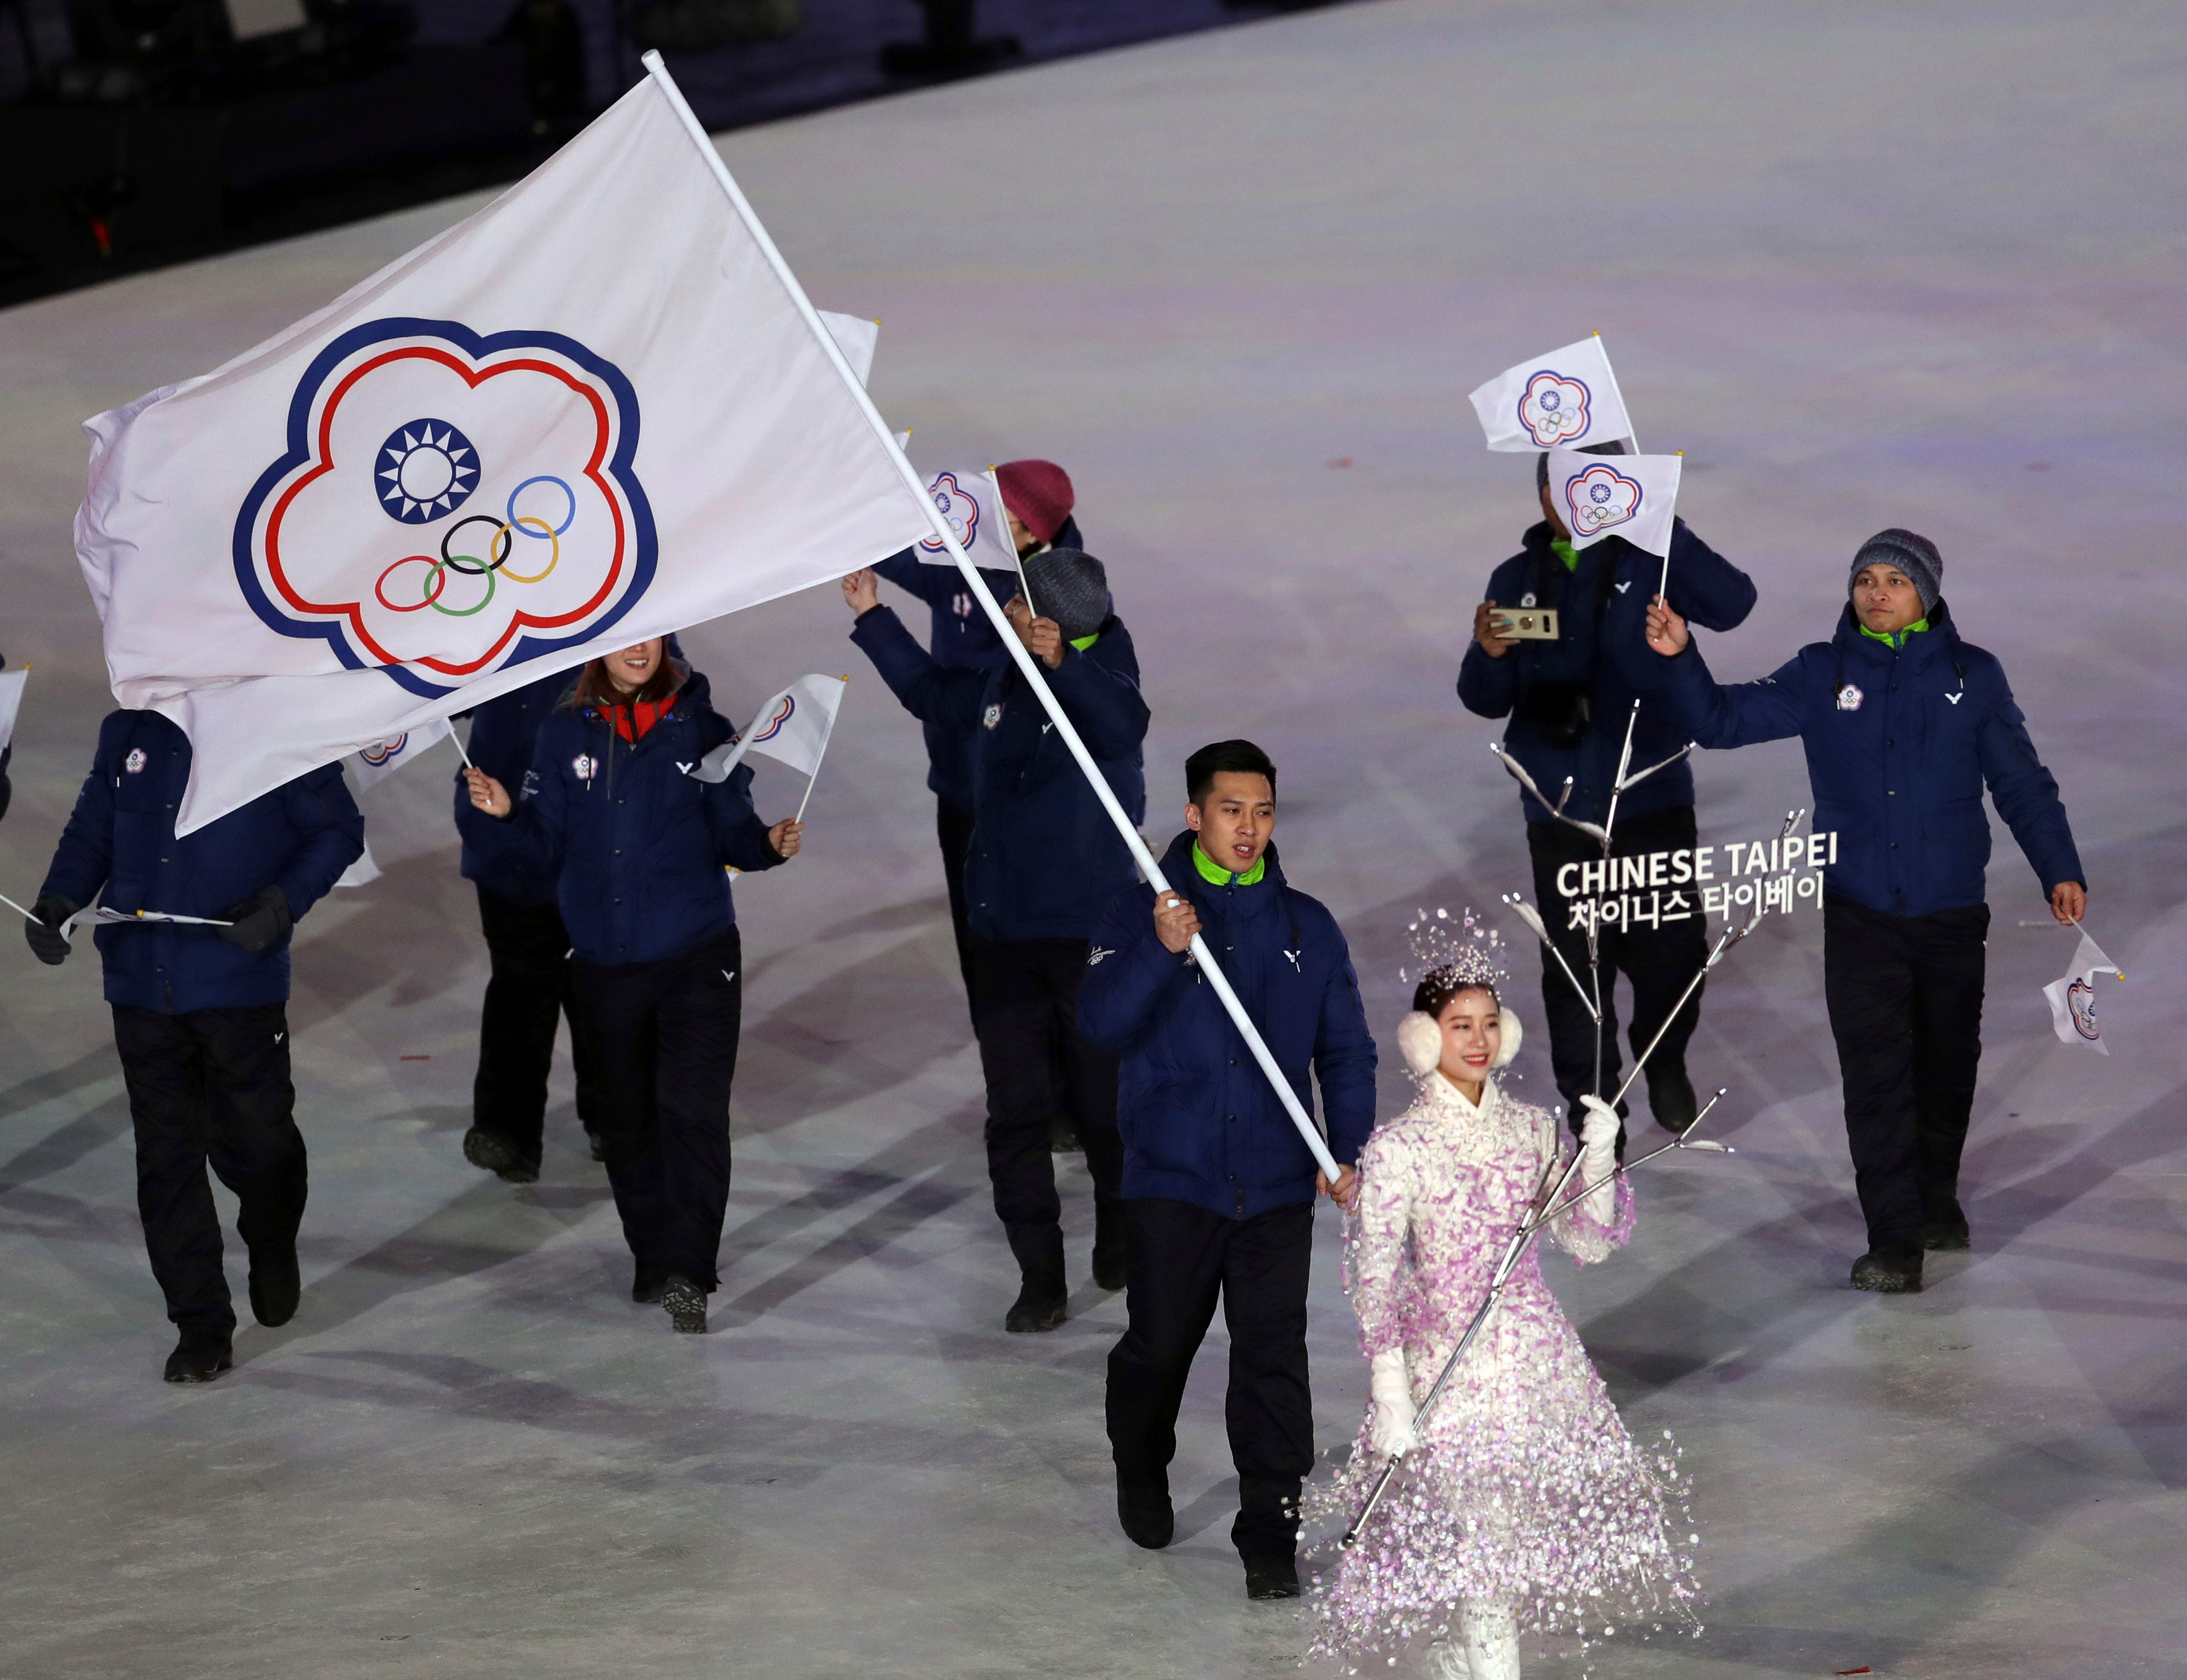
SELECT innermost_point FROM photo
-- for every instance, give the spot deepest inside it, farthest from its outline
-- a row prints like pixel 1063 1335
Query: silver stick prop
pixel 1543 1207
pixel 1533 918
pixel 1730 937
pixel 1556 810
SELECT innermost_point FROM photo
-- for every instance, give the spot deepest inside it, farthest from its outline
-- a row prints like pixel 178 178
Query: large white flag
pixel 2072 995
pixel 593 414
pixel 11 702
pixel 793 727
pixel 377 759
pixel 1564 400
pixel 1633 497
pixel 857 338
pixel 972 503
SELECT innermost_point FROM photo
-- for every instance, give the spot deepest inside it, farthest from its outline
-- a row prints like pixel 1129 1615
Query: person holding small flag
pixel 201 1007
pixel 1904 724
pixel 637 846
pixel 1568 700
pixel 1041 867
pixel 530 984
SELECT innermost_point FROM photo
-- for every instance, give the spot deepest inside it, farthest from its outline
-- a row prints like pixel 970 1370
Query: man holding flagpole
pixel 1904 725
pixel 1043 863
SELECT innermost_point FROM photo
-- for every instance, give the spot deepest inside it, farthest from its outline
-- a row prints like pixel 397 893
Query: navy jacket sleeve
pixel 1705 587
pixel 85 852
pixel 532 833
pixel 2025 793
pixel 318 808
pixel 933 693
pixel 1118 997
pixel 1487 686
pixel 930 584
pixel 1102 700
pixel 1734 715
pixel 739 836
pixel 1344 1062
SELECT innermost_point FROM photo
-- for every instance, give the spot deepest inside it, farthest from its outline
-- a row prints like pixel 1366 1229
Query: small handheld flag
pixel 1633 497
pixel 972 503
pixel 379 758
pixel 2072 997
pixel 1564 400
pixel 793 727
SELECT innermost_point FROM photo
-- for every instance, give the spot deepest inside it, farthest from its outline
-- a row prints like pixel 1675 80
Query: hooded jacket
pixel 637 846
pixel 504 735
pixel 1199 1121
pixel 1602 657
pixel 121 839
pixel 1900 742
pixel 961 639
pixel 1045 860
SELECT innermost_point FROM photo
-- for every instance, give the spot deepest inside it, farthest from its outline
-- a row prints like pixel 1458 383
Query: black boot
pixel 1040 1306
pixel 1671 1097
pixel 201 1355
pixel 1109 1234
pixel 1944 1226
pixel 686 1303
pixel 276 1284
pixel 1144 1510
pixel 498 1156
pixel 645 1288
pixel 1038 1250
pixel 1272 1576
pixel 1888 1274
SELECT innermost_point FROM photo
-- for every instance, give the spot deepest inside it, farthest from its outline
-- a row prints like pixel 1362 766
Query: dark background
pixel 138 132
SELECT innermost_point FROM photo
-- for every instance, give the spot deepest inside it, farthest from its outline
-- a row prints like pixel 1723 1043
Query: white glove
pixel 1391 1433
pixel 1598 1139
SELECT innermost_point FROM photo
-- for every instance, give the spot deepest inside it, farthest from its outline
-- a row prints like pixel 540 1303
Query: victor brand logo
pixel 448 503
pixel 1553 408
pixel 1600 498
pixel 960 510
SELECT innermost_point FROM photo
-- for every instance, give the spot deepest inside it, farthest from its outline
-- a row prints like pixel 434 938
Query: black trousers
pixel 952 830
pixel 664 1038
pixel 531 986
pixel 1180 1257
pixel 1024 1012
pixel 1658 961
pixel 211 1087
pixel 1905 997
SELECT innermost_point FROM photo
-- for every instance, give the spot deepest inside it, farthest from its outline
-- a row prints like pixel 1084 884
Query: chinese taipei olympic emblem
pixel 1600 498
pixel 959 508
pixel 2081 1001
pixel 380 751
pixel 1553 408
pixel 448 502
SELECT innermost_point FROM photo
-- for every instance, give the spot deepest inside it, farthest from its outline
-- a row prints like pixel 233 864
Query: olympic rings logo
pixel 500 547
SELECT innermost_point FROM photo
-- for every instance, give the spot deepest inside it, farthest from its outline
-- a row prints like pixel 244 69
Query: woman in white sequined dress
pixel 1522 1501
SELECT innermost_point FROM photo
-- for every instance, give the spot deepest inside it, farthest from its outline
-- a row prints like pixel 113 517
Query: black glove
pixel 43 930
pixel 260 920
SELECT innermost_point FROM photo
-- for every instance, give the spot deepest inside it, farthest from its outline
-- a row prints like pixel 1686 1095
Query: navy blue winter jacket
pixel 961 639
pixel 1045 860
pixel 639 845
pixel 120 837
pixel 504 734
pixel 1603 659
pixel 1199 1121
pixel 1899 744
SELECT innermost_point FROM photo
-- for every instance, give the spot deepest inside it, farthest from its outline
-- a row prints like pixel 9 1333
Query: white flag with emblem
pixel 593 414
pixel 793 727
pixel 1628 496
pixel 972 503
pixel 377 759
pixel 11 702
pixel 2072 995
pixel 1564 400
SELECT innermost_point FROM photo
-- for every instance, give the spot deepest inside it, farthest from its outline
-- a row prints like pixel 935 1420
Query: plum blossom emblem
pixel 1553 409
pixel 1600 497
pixel 959 507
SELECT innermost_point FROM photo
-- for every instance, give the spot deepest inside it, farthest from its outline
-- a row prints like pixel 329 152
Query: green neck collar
pixel 1083 642
pixel 1216 875
pixel 1895 639
pixel 1565 551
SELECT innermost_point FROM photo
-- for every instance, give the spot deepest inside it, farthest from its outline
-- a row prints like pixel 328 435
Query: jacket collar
pixel 1177 868
pixel 1941 640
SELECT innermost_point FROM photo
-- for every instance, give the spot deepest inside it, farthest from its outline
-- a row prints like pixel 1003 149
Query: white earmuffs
pixel 1419 1040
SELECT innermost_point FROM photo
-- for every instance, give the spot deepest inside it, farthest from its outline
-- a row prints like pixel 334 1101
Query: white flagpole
pixel 19 909
pixel 1028 668
pixel 817 758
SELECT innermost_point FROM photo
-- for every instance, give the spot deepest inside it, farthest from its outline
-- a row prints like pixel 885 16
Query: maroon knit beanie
pixel 1039 493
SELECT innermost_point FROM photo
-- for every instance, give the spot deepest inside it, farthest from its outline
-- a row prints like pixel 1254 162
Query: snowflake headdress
pixel 1452 952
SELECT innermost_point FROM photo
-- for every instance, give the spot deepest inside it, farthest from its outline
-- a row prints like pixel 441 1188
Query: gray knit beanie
pixel 1915 556
pixel 1071 586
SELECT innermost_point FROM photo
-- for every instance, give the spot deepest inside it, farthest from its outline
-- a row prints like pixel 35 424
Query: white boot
pixel 1447 1661
pixel 1491 1640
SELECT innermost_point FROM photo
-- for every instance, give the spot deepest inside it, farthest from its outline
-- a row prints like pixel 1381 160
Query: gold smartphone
pixel 1525 624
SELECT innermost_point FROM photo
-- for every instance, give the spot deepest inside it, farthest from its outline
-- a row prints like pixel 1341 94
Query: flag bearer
pixel 1568 700
pixel 1043 862
pixel 1218 1186
pixel 637 847
pixel 1904 724
pixel 200 1016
